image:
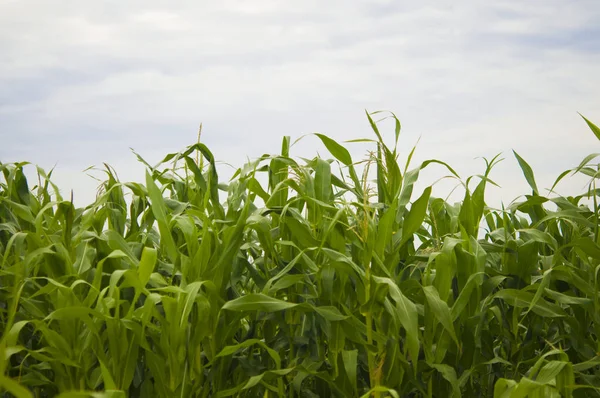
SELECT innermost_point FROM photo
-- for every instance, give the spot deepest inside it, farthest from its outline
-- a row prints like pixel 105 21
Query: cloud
pixel 81 82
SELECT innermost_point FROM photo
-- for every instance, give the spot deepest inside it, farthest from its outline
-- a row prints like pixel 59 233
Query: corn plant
pixel 322 277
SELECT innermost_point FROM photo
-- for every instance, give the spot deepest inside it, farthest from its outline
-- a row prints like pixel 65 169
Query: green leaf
pixel 14 388
pixel 350 359
pixel 595 129
pixel 254 380
pixel 337 150
pixel 147 264
pixel 527 172
pixel 540 236
pixel 258 302
pixel 440 310
pixel 408 315
pixel 523 299
pixel 160 213
pixel 109 383
pixel 323 190
pixel 330 313
pixel 450 375
pixel 415 217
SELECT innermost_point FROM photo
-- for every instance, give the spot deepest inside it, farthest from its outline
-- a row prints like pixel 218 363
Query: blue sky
pixel 81 82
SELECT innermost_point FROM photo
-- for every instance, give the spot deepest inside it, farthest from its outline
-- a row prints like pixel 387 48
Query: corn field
pixel 323 277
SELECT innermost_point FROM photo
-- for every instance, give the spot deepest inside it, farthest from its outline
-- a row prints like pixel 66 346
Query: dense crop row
pixel 314 284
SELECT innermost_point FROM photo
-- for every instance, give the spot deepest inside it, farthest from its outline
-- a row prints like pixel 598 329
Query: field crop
pixel 315 282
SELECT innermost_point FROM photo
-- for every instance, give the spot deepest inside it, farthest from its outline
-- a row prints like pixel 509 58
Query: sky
pixel 82 82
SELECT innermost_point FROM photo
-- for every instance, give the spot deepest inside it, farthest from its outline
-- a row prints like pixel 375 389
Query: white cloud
pixel 472 78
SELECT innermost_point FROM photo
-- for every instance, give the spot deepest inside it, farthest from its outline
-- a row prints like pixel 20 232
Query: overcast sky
pixel 82 81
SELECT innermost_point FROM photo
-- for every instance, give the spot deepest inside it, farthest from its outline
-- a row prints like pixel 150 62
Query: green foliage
pixel 314 284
